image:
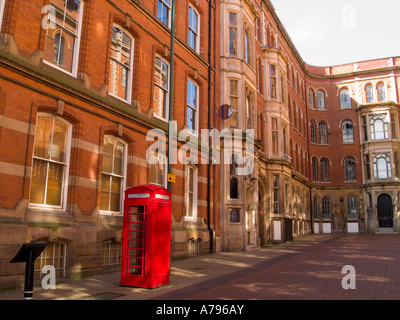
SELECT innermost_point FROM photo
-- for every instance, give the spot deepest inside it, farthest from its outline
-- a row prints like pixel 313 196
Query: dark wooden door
pixel 385 211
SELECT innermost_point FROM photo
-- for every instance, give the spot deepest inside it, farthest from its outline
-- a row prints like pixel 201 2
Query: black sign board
pixel 28 254
pixel 24 252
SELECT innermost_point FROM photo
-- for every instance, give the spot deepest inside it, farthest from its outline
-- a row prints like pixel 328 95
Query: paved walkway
pixel 308 268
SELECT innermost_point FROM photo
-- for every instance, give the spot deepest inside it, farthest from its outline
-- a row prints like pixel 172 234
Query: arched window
pixel 247 47
pixel 314 169
pixel 352 208
pixel 379 127
pixel 50 165
pixel 233 189
pixel 61 46
pixel 54 254
pixel 2 4
pixel 312 132
pixel 161 88
pixel 324 164
pixel 193 247
pixel 321 100
pixel 369 92
pixel 249 111
pixel 121 60
pixel 322 134
pixel 193 29
pixel 158 171
pixel 326 208
pixel 381 92
pixel 382 166
pixel 350 169
pixel 345 101
pixel 311 98
pixel 348 132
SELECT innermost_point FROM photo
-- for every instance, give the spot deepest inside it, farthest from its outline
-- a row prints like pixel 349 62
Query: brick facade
pixel 77 103
pixel 39 85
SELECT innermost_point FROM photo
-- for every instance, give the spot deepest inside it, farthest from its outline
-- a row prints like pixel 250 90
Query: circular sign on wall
pixel 225 111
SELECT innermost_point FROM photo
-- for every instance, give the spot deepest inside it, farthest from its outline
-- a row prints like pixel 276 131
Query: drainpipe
pixel 210 230
pixel 171 93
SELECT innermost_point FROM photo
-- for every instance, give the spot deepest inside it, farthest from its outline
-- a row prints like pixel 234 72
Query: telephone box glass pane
pixel 136 240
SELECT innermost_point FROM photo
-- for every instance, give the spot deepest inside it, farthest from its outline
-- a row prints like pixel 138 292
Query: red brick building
pixel 82 83
pixel 327 137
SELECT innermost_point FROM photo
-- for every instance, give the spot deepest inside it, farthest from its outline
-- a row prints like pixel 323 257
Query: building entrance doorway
pixel 385 211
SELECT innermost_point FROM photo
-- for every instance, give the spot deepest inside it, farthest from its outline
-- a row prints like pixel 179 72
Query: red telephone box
pixel 146 236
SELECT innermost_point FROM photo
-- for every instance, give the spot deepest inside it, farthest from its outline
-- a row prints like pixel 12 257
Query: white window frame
pixel 163 3
pixel 77 44
pixel 345 134
pixel 195 32
pixel 345 100
pixel 191 216
pixel 64 191
pixel 352 205
pixel 388 159
pixel 50 258
pixel 130 72
pixel 195 109
pixel 166 118
pixel 385 125
pixel 2 5
pixel 321 100
pixel 123 176
pixel 235 41
pixel 369 95
pixel 111 253
pixel 378 87
pixel 273 70
pixel 164 164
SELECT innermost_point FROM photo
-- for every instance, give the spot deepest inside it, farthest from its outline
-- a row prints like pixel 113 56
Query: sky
pixel 333 32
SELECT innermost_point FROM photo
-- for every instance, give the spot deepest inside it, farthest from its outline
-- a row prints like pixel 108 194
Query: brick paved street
pixel 312 271
pixel 309 268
